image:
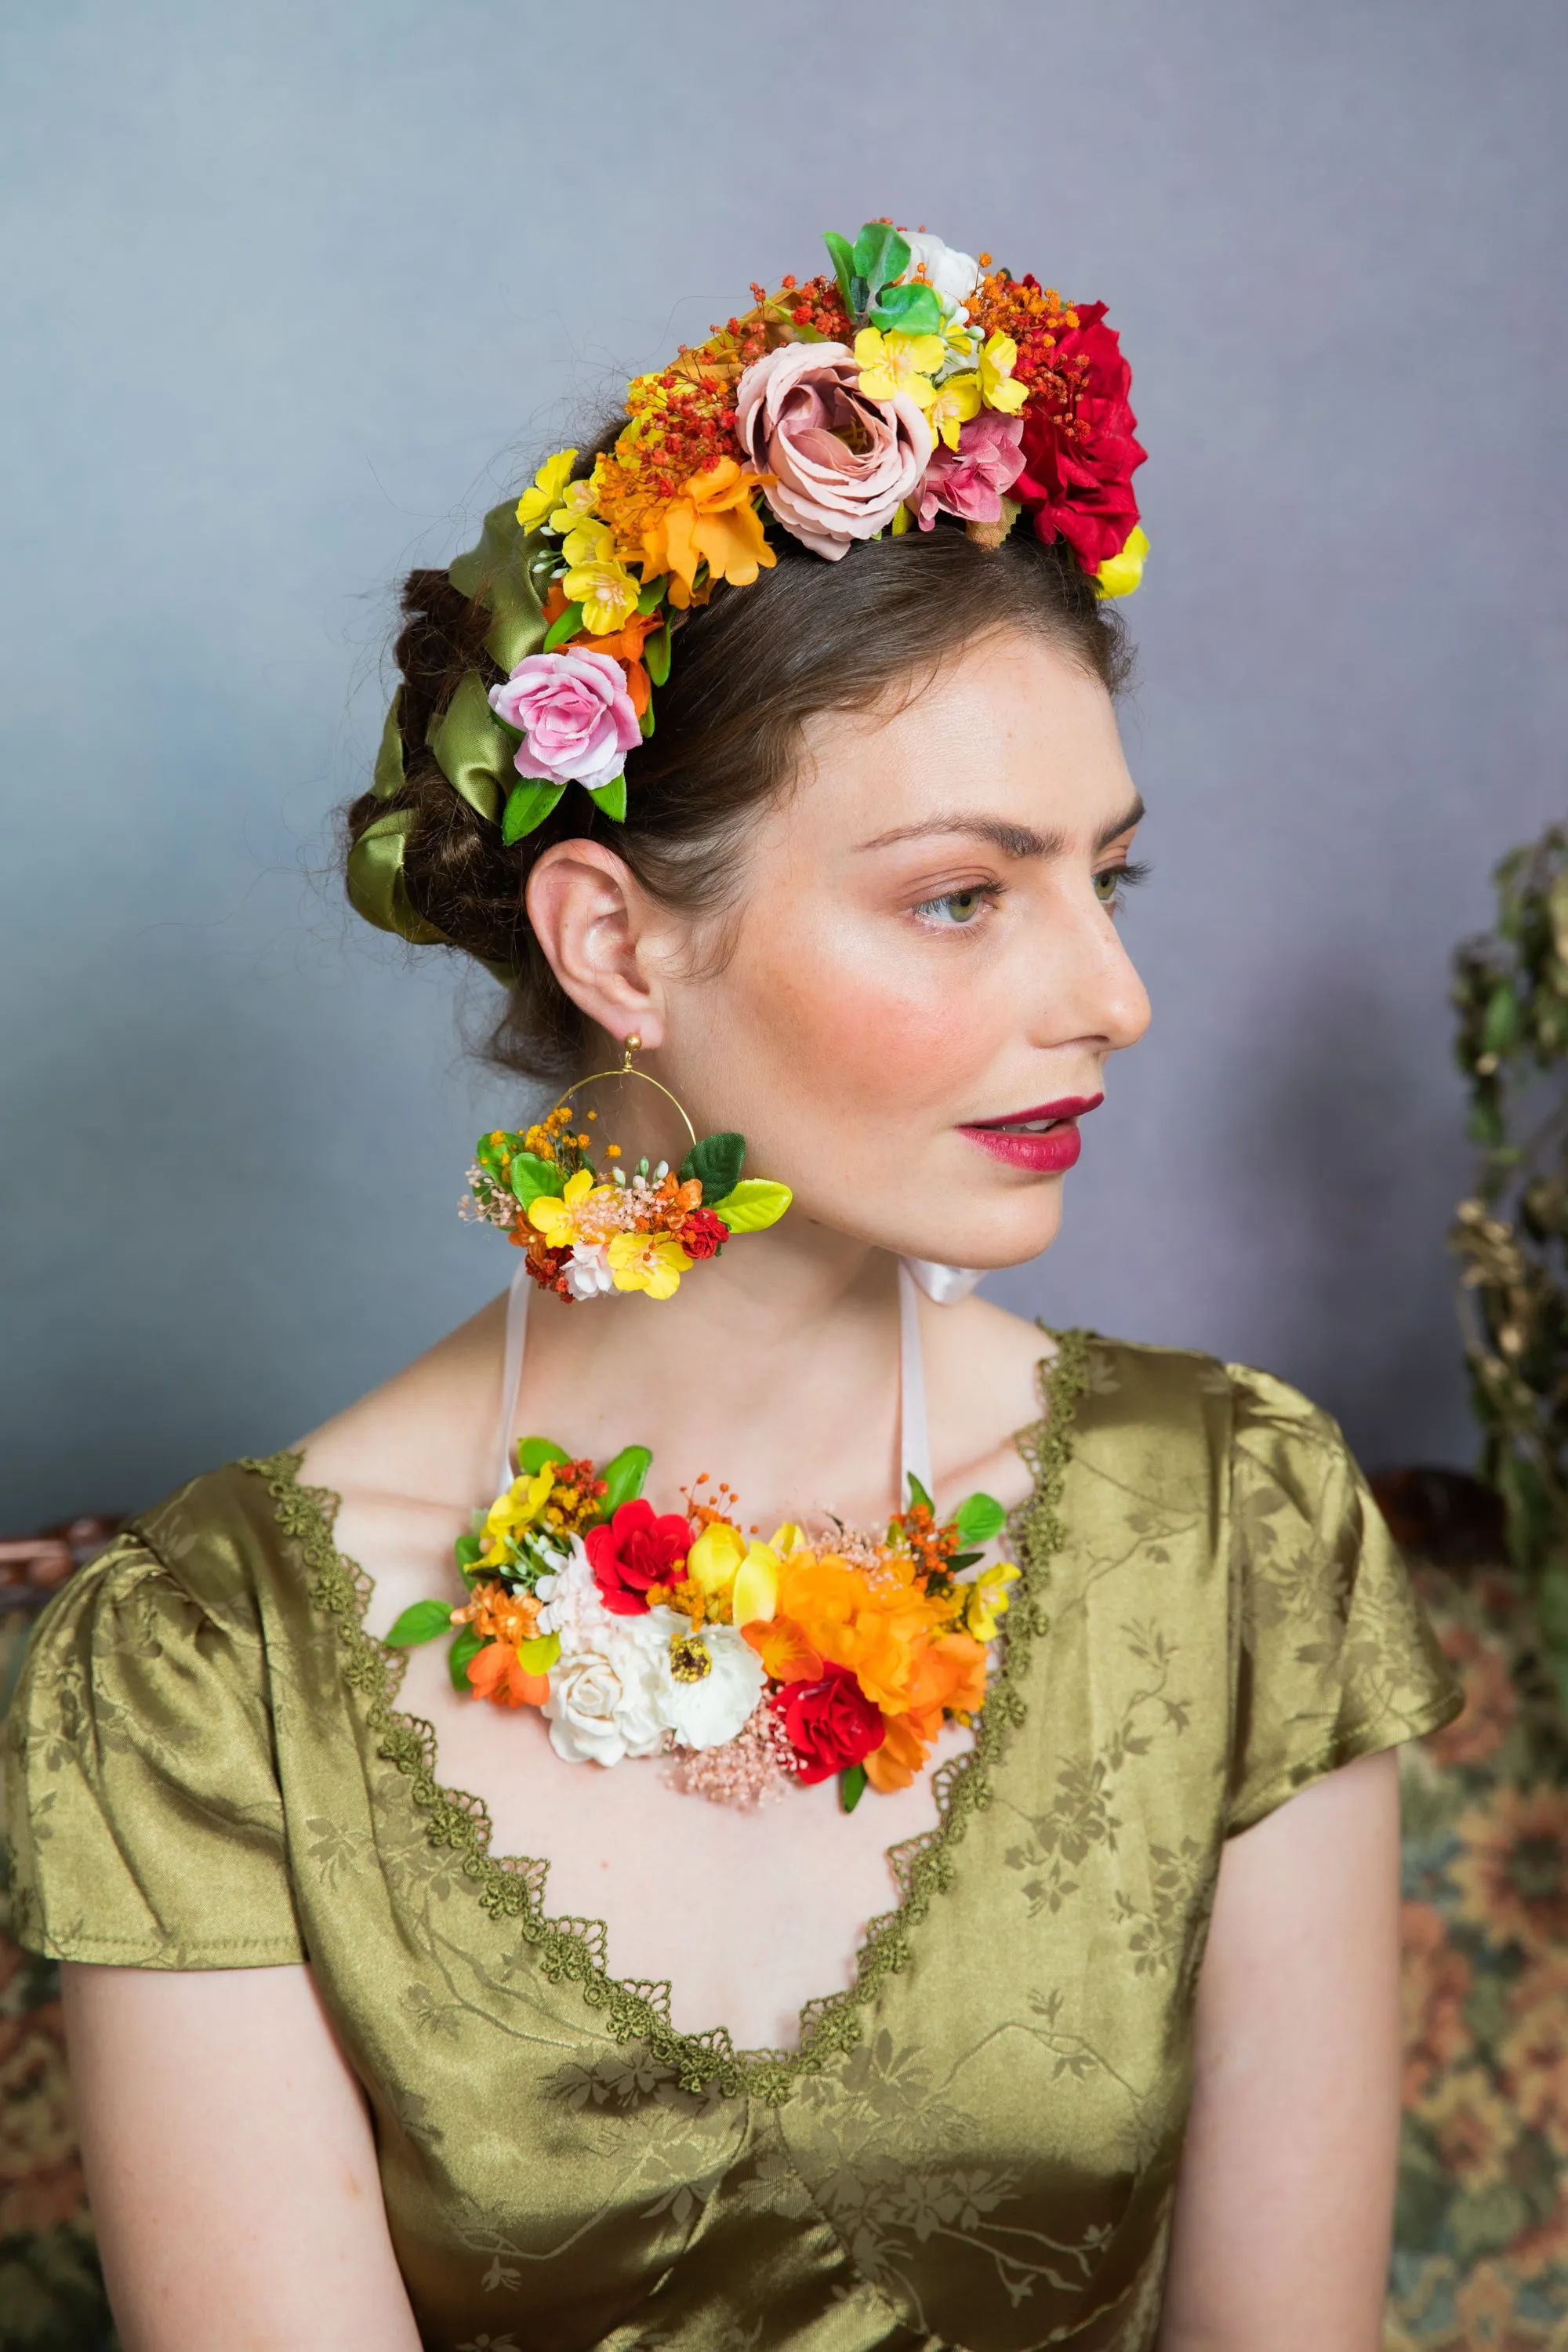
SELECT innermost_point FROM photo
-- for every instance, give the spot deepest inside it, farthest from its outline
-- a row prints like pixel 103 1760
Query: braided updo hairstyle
pixel 749 670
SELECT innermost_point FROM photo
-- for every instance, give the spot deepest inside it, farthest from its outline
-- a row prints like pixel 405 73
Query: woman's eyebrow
pixel 1013 840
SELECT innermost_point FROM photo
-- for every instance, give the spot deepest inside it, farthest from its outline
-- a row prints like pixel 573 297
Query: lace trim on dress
pixel 576 1949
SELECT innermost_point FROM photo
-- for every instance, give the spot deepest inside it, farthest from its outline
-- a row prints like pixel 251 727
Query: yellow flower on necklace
pixel 953 404
pixel 998 358
pixel 548 484
pixel 556 1217
pixel 896 362
pixel 650 1262
pixel 597 579
pixel 989 1599
pixel 518 1509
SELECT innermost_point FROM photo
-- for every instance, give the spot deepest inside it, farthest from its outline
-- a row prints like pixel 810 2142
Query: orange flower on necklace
pixel 713 522
pixel 949 1677
pixel 497 1673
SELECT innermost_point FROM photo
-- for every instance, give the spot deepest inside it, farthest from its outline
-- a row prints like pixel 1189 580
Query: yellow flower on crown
pixel 953 404
pixel 597 579
pixel 545 492
pixel 894 362
pixel 1000 386
pixel 1119 574
pixel 650 1262
pixel 713 522
pixel 578 501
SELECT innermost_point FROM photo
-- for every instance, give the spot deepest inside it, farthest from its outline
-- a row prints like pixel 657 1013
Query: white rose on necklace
pixel 602 1705
pixel 705 1684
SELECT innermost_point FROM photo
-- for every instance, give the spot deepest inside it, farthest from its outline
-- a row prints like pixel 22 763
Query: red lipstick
pixel 1044 1141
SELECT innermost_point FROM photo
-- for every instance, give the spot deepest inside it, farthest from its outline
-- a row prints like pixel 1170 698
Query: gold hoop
pixel 633 1047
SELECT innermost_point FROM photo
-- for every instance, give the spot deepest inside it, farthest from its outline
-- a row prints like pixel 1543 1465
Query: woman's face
pixel 925 980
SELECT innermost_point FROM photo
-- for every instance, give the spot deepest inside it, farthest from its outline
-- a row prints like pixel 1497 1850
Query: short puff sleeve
pixel 141 1806
pixel 1335 1657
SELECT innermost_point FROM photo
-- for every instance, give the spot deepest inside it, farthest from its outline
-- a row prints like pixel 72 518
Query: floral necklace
pixel 753 1665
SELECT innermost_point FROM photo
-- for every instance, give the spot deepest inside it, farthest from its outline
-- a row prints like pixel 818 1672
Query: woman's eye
pixel 954 908
pixel 1110 884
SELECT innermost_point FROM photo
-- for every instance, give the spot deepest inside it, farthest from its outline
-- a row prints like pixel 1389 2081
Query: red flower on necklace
pixel 1080 455
pixel 638 1548
pixel 830 1723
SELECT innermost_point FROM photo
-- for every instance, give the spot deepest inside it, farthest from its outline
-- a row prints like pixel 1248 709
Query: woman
pixel 1118 2066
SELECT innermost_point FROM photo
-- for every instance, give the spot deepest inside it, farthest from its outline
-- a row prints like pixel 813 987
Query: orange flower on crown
pixel 712 520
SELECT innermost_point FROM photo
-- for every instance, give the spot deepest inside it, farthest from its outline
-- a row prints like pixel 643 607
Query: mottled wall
pixel 290 290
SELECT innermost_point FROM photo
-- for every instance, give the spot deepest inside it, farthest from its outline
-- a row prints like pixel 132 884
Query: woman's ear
pixel 592 920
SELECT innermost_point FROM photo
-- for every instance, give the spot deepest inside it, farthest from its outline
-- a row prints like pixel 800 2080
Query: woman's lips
pixel 1045 1141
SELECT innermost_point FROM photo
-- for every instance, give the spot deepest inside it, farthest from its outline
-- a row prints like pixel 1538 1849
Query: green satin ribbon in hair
pixel 509 570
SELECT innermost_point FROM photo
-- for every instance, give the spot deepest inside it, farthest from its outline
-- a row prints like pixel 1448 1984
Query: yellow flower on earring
pixel 556 1217
pixel 649 1262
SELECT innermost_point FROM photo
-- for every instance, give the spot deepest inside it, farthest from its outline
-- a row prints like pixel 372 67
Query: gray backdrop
pixel 291 292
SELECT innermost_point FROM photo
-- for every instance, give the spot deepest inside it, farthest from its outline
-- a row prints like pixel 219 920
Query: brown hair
pixel 749 669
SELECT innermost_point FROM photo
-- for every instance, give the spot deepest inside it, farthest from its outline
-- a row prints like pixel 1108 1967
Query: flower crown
pixel 911 383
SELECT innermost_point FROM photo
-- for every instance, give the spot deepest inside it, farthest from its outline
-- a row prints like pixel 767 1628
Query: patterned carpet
pixel 1481 2260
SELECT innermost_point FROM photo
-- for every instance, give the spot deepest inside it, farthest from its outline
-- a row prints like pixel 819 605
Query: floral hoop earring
pixel 589 1230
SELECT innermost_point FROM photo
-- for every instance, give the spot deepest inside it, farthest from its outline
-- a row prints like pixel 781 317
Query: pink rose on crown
pixel 968 481
pixel 837 465
pixel 575 715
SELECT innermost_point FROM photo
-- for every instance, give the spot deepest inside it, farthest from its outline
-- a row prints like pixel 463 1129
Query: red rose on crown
pixel 1080 455
pixel 703 1235
pixel 830 1723
pixel 639 1546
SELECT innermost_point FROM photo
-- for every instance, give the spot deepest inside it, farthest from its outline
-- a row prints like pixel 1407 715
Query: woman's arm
pixel 1287 2189
pixel 230 2165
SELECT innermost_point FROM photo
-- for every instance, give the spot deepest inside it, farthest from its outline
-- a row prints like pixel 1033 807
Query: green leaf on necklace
pixel 918 1498
pixel 851 1787
pixel 420 1623
pixel 468 1645
pixel 978 1519
pixel 535 1452
pixel 624 1476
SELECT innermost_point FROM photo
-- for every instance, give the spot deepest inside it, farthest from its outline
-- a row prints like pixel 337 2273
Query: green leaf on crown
pixel 535 1452
pixel 716 1163
pixel 652 596
pixel 624 1476
pixel 979 1517
pixel 843 263
pixel 533 1179
pixel 610 797
pixel 912 310
pixel 753 1205
pixel 569 624
pixel 468 1645
pixel 656 655
pixel 879 255
pixel 421 1622
pixel 527 804
pixel 645 721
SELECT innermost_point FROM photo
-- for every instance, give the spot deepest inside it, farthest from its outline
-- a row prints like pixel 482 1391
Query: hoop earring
pixel 591 1230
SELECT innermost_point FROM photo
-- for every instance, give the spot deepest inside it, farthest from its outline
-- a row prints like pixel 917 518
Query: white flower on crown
pixel 954 275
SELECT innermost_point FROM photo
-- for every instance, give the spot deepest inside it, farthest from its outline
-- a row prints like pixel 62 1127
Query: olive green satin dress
pixel 976 2144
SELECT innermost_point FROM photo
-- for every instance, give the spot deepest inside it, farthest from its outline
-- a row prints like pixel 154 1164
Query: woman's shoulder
pixel 428 1434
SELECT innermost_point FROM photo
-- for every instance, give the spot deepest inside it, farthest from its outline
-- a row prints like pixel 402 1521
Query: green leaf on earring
pixel 421 1622
pixel 610 797
pixel 528 805
pixel 754 1204
pixel 468 1645
pixel 533 1179
pixel 624 1477
pixel 716 1163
